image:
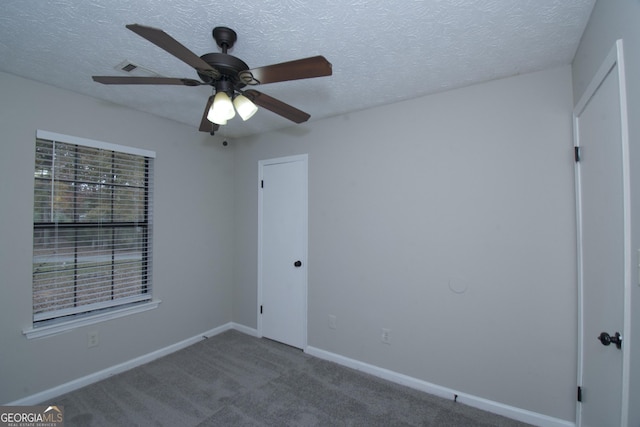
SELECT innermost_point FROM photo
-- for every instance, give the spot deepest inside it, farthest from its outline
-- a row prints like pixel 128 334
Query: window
pixel 92 228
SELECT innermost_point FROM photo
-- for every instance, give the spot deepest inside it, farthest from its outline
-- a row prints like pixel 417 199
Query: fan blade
pixel 205 124
pixel 121 80
pixel 171 45
pixel 276 106
pixel 315 66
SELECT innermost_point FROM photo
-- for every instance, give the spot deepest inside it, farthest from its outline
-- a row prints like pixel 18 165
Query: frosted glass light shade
pixel 221 110
pixel 217 121
pixel 246 109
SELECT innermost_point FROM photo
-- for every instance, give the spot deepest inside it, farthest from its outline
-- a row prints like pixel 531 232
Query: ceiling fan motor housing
pixel 229 67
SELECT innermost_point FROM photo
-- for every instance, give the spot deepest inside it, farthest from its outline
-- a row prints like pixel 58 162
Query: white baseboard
pixel 447 393
pixel 245 329
pixel 477 402
pixel 125 366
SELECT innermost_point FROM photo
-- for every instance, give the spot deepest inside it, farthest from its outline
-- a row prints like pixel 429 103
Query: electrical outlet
pixel 386 336
pixel 332 322
pixel 92 339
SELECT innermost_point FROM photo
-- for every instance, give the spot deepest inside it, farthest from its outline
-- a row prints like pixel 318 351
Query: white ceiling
pixel 382 51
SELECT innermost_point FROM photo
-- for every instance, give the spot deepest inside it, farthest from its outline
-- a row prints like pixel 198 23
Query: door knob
pixel 297 263
pixel 607 339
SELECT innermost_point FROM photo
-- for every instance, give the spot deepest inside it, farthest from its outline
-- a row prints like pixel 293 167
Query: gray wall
pixel 193 236
pixel 612 20
pixel 469 189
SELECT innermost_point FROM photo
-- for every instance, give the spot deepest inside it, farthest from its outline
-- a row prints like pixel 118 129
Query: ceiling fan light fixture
pixel 245 108
pixel 220 122
pixel 221 110
pixel 214 116
pixel 222 102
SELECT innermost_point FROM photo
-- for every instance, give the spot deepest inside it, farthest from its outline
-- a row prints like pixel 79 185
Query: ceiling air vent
pixel 129 67
pixel 135 69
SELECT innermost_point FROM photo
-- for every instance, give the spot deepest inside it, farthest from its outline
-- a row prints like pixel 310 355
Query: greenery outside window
pixel 92 228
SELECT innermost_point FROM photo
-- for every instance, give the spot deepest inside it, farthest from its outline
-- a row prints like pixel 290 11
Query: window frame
pixel 59 324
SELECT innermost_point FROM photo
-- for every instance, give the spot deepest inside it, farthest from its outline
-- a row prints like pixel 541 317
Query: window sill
pixel 58 328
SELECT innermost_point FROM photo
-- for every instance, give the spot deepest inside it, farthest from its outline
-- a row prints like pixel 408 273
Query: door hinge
pixel 576 154
pixel 262 184
pixel 579 394
pixel 260 309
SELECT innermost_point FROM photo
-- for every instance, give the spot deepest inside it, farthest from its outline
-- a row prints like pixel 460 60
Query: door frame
pixel 304 158
pixel 614 58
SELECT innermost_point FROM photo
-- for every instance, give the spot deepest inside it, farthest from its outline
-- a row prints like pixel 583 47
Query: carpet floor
pixel 233 379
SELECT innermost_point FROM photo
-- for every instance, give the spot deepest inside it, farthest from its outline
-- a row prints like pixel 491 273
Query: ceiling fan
pixel 228 76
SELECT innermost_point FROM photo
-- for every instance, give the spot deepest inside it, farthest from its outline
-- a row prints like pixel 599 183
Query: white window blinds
pixel 92 226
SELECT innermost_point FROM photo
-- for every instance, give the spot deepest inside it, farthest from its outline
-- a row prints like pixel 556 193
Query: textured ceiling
pixel 381 51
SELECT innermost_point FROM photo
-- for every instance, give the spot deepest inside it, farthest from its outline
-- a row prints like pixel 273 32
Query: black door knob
pixel 297 263
pixel 607 339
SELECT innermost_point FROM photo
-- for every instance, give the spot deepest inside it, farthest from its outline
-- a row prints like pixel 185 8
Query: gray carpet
pixel 234 379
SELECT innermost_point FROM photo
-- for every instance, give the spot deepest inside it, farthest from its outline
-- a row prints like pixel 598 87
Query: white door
pixel 282 263
pixel 602 186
